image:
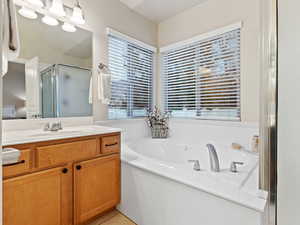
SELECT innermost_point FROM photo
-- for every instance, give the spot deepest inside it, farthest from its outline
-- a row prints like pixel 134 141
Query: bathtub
pixel 160 187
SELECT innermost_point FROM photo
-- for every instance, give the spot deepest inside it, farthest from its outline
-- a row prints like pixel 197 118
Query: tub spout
pixel 213 158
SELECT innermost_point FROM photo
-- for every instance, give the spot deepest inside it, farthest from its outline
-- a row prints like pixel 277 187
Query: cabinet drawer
pixel 62 153
pixel 110 144
pixel 23 166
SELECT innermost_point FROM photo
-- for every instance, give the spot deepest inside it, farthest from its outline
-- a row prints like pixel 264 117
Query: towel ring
pixel 102 66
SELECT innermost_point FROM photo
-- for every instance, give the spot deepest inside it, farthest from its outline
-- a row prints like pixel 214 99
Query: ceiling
pixel 160 10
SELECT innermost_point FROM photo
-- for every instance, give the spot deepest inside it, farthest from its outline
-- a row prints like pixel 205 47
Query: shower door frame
pixel 268 107
pixel 56 84
pixel 1 89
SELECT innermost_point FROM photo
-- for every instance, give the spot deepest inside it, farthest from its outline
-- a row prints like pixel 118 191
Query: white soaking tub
pixel 160 187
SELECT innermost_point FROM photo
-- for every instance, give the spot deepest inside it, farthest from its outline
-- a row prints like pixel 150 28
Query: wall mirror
pixel 51 77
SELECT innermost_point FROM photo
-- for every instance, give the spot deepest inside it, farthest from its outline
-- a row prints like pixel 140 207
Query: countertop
pixel 38 135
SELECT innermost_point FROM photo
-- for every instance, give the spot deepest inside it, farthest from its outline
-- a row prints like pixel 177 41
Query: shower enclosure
pixel 65 91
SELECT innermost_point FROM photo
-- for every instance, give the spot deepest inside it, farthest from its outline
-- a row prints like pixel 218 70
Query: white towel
pixel 104 87
pixel 10 35
pixel 91 91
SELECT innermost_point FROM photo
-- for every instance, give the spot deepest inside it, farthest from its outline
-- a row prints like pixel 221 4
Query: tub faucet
pixel 196 164
pixel 213 158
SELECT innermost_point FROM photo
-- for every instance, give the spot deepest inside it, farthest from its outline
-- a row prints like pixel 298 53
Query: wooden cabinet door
pixel 96 187
pixel 38 199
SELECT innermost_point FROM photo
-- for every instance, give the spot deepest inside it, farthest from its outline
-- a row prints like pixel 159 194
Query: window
pixel 202 78
pixel 131 65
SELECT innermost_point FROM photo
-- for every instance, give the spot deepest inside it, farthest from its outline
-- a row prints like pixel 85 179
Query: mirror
pixel 51 77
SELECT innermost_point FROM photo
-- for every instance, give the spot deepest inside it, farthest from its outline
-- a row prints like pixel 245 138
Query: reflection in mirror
pixel 51 77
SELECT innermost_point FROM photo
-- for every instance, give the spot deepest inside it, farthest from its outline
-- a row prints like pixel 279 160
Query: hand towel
pixel 10 35
pixel 104 87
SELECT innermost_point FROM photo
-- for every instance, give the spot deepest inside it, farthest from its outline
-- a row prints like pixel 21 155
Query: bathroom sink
pixel 35 135
pixel 50 133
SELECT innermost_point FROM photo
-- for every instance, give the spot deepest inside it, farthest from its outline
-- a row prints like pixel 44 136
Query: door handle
pixel 13 164
pixel 109 145
pixel 78 167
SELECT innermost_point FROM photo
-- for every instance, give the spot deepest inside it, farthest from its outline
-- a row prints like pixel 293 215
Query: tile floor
pixel 113 218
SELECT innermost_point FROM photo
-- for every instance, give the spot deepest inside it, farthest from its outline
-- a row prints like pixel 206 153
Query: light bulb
pixel 77 16
pixel 68 27
pixel 38 3
pixel 50 21
pixel 28 13
pixel 57 8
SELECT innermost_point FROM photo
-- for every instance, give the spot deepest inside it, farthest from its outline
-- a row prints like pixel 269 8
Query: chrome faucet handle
pixel 233 166
pixel 59 124
pixel 196 164
pixel 47 127
pixel 56 126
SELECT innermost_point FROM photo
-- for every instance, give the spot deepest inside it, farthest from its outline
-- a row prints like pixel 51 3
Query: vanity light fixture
pixel 77 16
pixel 50 21
pixel 28 13
pixel 54 11
pixel 68 27
pixel 57 8
pixel 37 3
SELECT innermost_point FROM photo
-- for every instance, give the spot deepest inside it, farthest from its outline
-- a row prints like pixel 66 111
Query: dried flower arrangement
pixel 158 123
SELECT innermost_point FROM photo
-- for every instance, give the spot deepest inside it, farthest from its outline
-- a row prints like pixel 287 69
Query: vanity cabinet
pixel 62 182
pixel 96 186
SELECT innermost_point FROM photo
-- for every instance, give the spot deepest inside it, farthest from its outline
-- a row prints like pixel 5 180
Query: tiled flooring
pixel 113 218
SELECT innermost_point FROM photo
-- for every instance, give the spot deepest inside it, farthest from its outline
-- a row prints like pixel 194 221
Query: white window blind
pixel 202 79
pixel 131 66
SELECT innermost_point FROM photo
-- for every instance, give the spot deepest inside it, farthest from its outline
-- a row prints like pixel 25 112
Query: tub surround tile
pixel 191 131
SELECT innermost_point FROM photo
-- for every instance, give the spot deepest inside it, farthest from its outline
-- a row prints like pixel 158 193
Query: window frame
pixel 191 41
pixel 133 41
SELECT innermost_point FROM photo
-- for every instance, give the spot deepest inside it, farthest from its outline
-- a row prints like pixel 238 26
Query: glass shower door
pixel 73 91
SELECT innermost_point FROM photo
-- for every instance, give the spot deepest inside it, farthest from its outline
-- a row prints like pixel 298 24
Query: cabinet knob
pixel 78 167
pixel 65 170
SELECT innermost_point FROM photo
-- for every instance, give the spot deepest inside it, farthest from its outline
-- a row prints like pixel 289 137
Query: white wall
pixel 214 14
pixel 101 14
pixel 288 113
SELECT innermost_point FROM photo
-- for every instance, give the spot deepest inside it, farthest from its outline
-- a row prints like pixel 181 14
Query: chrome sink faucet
pixel 213 158
pixel 53 126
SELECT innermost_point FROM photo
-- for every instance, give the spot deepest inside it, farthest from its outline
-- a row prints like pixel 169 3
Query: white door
pixel 32 82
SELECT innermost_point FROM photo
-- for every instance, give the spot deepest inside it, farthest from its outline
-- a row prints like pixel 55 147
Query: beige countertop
pixel 38 135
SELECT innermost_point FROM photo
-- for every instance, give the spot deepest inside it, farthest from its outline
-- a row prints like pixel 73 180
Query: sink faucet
pixel 213 157
pixel 53 126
